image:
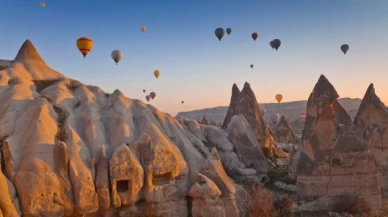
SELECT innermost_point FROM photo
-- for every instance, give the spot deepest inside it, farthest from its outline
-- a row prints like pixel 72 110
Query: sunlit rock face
pixel 335 160
pixel 372 121
pixel 70 149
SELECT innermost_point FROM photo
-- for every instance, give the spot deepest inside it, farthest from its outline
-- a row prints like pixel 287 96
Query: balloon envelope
pixel 183 102
pixel 143 28
pixel 152 95
pixel 254 36
pixel 144 90
pixel 116 56
pixel 345 48
pixel 279 97
pixel 303 115
pixel 276 43
pixel 228 30
pixel 42 4
pixel 84 45
pixel 148 98
pixel 251 65
pixel 271 44
pixel 156 73
pixel 219 32
pixel 274 117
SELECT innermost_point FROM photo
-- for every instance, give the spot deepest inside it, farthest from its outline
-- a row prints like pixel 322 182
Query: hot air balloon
pixel 228 30
pixel 279 97
pixel 274 118
pixel 276 43
pixel 254 36
pixel 271 44
pixel 156 73
pixel 116 55
pixel 144 90
pixel 345 48
pixel 303 115
pixel 220 32
pixel 152 95
pixel 148 98
pixel 183 102
pixel 263 111
pixel 84 45
pixel 251 66
pixel 143 28
pixel 42 4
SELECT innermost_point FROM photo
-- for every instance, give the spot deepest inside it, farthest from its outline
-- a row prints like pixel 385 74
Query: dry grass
pixel 62 115
pixel 260 202
pixel 284 207
pixel 43 84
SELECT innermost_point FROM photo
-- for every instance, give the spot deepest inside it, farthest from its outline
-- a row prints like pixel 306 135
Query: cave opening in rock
pixel 122 185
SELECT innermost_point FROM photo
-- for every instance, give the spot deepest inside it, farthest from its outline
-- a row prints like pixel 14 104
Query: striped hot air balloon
pixel 84 45
pixel 303 115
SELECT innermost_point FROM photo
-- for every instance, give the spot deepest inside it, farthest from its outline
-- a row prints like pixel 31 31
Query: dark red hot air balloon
pixel 152 95
pixel 254 36
pixel 144 91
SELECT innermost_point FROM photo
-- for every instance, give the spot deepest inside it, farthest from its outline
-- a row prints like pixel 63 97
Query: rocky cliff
pixel 335 160
pixel 372 121
pixel 69 149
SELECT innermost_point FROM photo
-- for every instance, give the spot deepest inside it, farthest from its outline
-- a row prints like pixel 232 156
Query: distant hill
pixel 291 110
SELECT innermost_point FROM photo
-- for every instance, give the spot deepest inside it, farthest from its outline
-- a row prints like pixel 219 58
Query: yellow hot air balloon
pixel 143 28
pixel 84 45
pixel 156 73
pixel 42 4
pixel 279 97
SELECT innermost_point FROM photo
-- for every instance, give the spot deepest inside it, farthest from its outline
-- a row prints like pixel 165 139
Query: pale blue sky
pixel 195 66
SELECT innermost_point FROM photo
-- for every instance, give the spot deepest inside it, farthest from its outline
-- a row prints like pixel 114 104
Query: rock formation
pixel 70 149
pixel 283 132
pixel 245 103
pixel 335 160
pixel 372 121
pixel 204 121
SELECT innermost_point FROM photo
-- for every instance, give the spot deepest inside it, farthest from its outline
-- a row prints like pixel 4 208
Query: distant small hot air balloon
pixel 303 115
pixel 144 90
pixel 42 4
pixel 219 32
pixel 148 98
pixel 84 45
pixel 152 95
pixel 251 66
pixel 228 30
pixel 279 97
pixel 156 73
pixel 183 102
pixel 276 43
pixel 263 111
pixel 274 118
pixel 116 56
pixel 143 28
pixel 254 36
pixel 345 48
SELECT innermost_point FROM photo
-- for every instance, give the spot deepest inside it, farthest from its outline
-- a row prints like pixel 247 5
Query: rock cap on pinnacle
pixel 28 52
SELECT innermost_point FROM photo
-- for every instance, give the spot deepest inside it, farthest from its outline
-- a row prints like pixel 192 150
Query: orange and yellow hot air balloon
pixel 156 73
pixel 84 45
pixel 143 28
pixel 279 97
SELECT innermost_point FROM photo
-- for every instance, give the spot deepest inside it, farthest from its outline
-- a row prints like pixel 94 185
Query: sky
pixel 195 66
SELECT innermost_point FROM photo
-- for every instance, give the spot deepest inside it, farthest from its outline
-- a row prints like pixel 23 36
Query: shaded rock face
pixel 283 132
pixel 335 160
pixel 204 121
pixel 372 121
pixel 245 103
pixel 70 149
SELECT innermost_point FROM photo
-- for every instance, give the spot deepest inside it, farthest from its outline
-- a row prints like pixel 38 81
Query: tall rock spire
pixel 28 52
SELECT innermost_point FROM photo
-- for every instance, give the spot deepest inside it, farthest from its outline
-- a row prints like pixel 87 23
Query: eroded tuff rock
pixel 204 121
pixel 335 160
pixel 372 121
pixel 206 200
pixel 73 150
pixel 245 103
pixel 283 132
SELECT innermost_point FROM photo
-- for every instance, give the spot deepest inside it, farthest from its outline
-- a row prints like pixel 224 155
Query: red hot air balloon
pixel 254 36
pixel 152 95
pixel 144 90
pixel 303 115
